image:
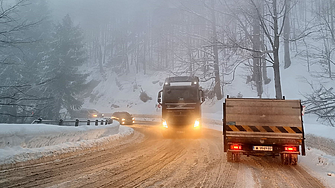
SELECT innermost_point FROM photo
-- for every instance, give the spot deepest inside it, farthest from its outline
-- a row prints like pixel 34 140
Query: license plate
pixel 262 148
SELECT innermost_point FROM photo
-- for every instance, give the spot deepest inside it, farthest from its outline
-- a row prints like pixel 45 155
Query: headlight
pixel 95 115
pixel 123 119
pixel 196 123
pixel 165 124
pixel 133 119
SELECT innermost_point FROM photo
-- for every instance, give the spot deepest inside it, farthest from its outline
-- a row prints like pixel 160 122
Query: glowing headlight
pixel 133 119
pixel 123 119
pixel 196 123
pixel 95 115
pixel 165 124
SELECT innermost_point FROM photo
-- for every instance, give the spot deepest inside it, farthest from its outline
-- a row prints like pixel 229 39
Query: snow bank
pixel 320 165
pixel 22 142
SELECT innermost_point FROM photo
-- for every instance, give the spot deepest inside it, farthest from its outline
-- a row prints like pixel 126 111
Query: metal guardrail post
pixel 102 122
pixel 96 122
pixel 76 123
pixel 106 122
pixel 88 122
pixel 60 122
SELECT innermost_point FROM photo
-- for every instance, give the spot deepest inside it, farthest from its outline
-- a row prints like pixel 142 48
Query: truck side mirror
pixel 159 98
pixel 202 96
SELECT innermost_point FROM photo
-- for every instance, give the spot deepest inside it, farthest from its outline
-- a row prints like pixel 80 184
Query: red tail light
pixel 290 148
pixel 235 147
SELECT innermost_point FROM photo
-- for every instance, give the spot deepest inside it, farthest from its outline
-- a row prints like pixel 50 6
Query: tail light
pixel 290 148
pixel 235 147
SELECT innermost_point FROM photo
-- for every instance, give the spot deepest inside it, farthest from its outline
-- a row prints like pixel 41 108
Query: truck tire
pixel 233 157
pixel 229 156
pixel 285 159
pixel 289 159
pixel 294 159
pixel 236 157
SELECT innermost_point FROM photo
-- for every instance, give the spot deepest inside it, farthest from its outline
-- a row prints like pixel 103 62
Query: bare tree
pixel 322 103
pixel 19 97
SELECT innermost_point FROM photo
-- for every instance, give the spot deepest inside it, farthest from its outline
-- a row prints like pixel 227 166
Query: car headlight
pixel 196 123
pixel 123 119
pixel 133 119
pixel 165 124
pixel 95 115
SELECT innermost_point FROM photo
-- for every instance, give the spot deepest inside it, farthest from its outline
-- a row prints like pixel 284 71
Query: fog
pixel 50 50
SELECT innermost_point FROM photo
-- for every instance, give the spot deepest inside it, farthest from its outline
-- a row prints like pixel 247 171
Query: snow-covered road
pixel 19 143
pixel 146 159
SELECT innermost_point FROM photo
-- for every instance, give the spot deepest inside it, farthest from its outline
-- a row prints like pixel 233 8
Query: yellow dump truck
pixel 263 127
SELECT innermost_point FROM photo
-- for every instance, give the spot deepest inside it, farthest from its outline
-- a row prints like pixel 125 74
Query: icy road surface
pixel 146 159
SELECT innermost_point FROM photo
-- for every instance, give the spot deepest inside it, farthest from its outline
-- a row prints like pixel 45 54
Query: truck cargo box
pixel 263 127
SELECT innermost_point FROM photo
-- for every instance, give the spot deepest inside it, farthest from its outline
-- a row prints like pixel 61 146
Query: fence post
pixel 96 122
pixel 102 122
pixel 76 123
pixel 39 120
pixel 60 122
pixel 88 122
pixel 106 121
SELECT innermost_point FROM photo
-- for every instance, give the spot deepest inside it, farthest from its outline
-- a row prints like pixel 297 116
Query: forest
pixel 45 44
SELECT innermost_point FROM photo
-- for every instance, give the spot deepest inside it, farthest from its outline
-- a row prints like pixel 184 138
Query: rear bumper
pixel 277 141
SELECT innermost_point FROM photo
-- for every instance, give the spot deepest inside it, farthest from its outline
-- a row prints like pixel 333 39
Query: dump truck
pixel 253 126
pixel 181 100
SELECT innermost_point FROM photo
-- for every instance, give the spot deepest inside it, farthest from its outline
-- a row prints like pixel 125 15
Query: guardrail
pixel 76 122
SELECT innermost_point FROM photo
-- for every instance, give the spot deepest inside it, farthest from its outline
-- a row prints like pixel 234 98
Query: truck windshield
pixel 180 95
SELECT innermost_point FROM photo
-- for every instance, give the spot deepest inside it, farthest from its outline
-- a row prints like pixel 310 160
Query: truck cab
pixel 181 100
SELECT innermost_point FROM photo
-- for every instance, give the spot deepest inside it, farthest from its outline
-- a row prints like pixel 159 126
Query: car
pixel 123 118
pixel 86 113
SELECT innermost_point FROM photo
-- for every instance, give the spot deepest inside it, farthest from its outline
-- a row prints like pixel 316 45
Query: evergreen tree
pixel 66 56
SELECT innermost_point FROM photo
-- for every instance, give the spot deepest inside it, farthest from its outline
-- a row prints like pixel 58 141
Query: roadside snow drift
pixel 22 142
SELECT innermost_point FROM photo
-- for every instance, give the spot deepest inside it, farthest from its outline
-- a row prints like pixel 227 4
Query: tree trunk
pixel 276 52
pixel 287 35
pixel 217 86
pixel 257 71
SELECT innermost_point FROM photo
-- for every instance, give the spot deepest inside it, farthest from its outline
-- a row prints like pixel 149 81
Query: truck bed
pixel 263 122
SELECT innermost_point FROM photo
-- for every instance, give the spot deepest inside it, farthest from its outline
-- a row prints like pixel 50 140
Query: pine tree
pixel 67 55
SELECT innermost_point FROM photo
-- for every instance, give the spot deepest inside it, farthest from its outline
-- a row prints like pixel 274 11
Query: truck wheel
pixel 285 159
pixel 236 157
pixel 229 156
pixel 294 159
